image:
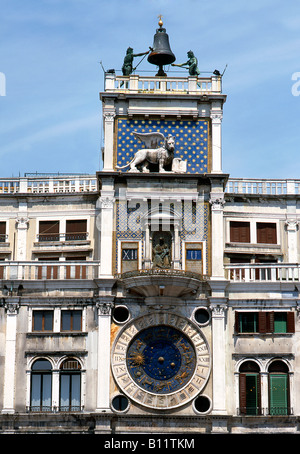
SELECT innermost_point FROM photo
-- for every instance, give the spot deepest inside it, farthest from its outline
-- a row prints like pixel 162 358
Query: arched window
pixel 70 385
pixel 279 388
pixel 249 388
pixel 41 386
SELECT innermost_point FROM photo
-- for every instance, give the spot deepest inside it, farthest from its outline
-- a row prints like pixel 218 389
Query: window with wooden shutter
pixel 266 233
pixel 76 229
pixel 49 231
pixel 279 394
pixel 249 389
pixel 239 232
pixel 264 322
pixel 2 232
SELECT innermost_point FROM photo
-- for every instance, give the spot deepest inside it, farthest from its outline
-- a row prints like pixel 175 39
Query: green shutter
pixel 278 394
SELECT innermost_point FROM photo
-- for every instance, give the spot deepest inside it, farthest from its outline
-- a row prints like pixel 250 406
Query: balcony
pixel 162 85
pixel 80 236
pixel 60 270
pixel 262 187
pixel 48 184
pixel 275 272
pixel 162 282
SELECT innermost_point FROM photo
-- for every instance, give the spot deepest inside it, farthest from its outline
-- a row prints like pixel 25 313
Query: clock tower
pixel 162 302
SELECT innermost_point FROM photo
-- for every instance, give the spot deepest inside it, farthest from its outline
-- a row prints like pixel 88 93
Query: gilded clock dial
pixel 161 359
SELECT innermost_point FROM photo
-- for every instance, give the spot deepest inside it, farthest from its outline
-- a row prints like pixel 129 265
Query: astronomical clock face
pixel 161 360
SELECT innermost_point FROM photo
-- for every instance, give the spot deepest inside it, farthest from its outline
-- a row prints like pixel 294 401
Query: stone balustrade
pixel 154 84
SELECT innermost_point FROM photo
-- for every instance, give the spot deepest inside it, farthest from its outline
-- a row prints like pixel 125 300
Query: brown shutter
pixel 290 322
pixel 49 227
pixel 242 390
pixel 2 228
pixel 259 394
pixel 262 322
pixel 236 322
pixel 266 233
pixel 239 232
pixel 76 230
pixel 270 322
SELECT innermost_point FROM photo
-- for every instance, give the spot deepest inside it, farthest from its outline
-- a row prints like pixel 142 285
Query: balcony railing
pixel 258 411
pixel 167 85
pixel 262 186
pixel 12 270
pixel 54 409
pixel 275 272
pixel 170 272
pixel 48 184
pixel 80 236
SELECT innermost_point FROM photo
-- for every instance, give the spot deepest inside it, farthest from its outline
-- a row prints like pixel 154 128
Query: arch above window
pixel 278 366
pixel 70 364
pixel 41 365
pixel 249 367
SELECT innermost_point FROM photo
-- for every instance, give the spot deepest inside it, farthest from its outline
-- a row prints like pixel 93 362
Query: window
pixel 71 320
pixel 249 388
pixel 76 230
pixel 2 232
pixel 266 233
pixel 70 385
pixel 279 389
pixel 41 386
pixel 239 232
pixel 265 322
pixel 49 231
pixel 43 320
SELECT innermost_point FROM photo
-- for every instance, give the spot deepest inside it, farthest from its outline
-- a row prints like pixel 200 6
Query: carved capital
pixel 217 202
pixel 22 222
pixel 216 117
pixel 12 308
pixel 107 202
pixel 104 308
pixel 218 310
pixel 292 225
pixel 109 116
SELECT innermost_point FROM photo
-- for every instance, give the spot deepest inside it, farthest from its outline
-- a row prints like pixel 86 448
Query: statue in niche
pixel 153 154
pixel 161 254
pixel 192 64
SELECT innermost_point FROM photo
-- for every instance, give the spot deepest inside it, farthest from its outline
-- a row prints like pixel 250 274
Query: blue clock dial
pixel 161 359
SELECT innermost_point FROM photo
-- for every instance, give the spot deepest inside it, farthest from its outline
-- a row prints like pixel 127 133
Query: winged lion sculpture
pixel 153 153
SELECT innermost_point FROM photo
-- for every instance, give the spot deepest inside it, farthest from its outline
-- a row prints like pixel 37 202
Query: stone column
pixel 217 235
pixel 22 223
pixel 12 309
pixel 216 135
pixel 292 226
pixel 109 118
pixel 106 227
pixel 104 323
pixel 219 349
pixel 264 391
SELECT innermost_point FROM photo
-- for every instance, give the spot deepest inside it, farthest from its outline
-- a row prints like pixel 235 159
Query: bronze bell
pixel 161 52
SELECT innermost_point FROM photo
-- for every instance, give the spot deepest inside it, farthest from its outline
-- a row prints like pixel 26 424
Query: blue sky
pixel 50 116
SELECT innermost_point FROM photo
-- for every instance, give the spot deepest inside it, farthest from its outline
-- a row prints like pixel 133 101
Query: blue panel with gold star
pixel 191 140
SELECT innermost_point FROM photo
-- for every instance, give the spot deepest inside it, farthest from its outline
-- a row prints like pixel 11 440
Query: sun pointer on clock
pixel 138 359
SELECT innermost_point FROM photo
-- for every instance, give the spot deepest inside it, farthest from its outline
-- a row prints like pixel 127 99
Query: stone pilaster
pixel 104 323
pixel 12 309
pixel 219 349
